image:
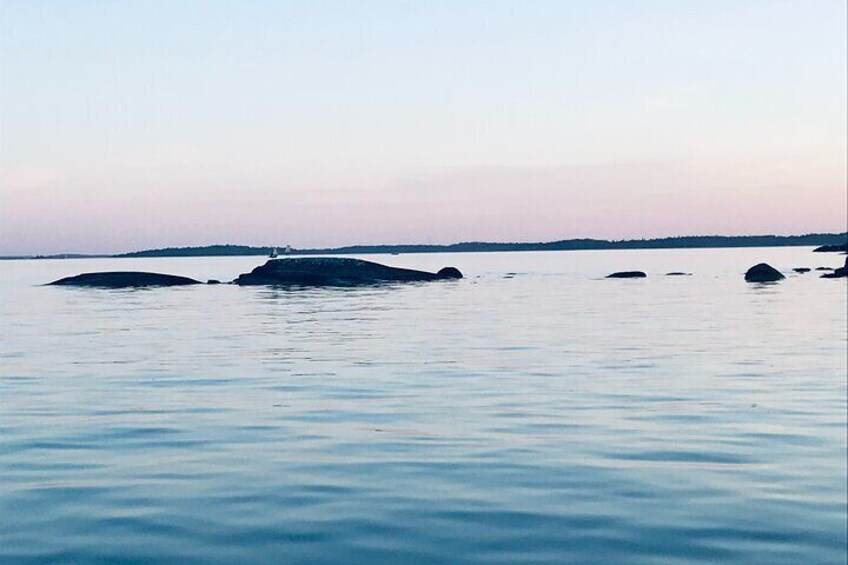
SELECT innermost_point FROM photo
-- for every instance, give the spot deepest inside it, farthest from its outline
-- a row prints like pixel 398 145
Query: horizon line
pixel 342 248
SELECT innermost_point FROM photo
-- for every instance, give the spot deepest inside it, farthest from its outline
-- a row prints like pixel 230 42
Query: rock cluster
pixel 303 271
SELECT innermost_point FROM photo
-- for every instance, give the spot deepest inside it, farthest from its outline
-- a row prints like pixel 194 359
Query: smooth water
pixel 530 413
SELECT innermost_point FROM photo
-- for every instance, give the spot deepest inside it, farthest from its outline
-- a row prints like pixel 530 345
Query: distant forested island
pixel 827 242
pixel 684 242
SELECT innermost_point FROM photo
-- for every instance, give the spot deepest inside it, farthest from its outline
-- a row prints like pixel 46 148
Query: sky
pixel 133 125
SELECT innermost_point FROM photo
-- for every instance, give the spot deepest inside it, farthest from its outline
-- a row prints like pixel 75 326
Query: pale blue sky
pixel 128 125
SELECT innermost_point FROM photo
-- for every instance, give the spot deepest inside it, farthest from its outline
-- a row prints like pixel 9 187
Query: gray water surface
pixel 532 412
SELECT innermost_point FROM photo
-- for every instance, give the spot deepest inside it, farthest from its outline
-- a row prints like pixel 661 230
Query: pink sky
pixel 311 126
pixel 487 203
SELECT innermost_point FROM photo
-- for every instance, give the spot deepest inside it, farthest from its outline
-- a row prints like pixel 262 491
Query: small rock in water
pixel 801 270
pixel 627 275
pixel 839 273
pixel 763 272
pixel 678 274
pixel 824 268
pixel 213 281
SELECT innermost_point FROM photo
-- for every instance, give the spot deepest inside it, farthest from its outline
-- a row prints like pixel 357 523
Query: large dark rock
pixel 763 273
pixel 335 271
pixel 838 273
pixel 124 279
pixel 627 275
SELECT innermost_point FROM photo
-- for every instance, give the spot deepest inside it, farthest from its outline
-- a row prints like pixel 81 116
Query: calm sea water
pixel 530 413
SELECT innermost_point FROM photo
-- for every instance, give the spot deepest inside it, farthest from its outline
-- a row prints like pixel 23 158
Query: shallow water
pixel 530 413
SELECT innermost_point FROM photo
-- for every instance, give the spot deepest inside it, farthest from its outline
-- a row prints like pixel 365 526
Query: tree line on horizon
pixel 679 242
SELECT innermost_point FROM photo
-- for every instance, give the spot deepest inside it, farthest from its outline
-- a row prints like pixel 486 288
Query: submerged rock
pixel 801 270
pixel 678 274
pixel 763 272
pixel 124 279
pixel 627 275
pixel 335 271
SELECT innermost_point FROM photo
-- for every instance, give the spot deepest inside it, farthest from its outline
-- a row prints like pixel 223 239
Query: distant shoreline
pixel 684 242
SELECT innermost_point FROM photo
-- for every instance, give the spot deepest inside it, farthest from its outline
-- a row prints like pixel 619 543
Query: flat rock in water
pixel 124 279
pixel 763 272
pixel 627 275
pixel 678 274
pixel 335 271
pixel 801 270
